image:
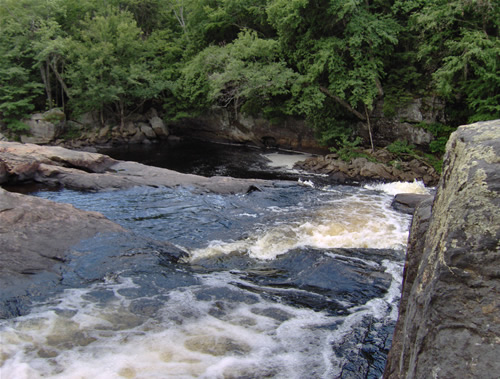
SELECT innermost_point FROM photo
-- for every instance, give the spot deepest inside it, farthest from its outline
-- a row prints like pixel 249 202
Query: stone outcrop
pixel 52 128
pixel 404 123
pixel 34 237
pixel 44 127
pixel 386 168
pixel 39 253
pixel 82 170
pixel 222 125
pixel 449 324
pixel 408 202
pixel 28 226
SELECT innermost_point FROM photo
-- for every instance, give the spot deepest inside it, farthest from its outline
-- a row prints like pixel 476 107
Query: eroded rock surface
pixel 449 323
pixel 93 172
pixel 46 247
pixel 34 237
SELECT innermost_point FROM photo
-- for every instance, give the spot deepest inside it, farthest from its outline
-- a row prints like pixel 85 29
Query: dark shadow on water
pixel 202 158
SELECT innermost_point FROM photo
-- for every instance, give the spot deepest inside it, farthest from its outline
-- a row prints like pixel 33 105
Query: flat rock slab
pixel 94 172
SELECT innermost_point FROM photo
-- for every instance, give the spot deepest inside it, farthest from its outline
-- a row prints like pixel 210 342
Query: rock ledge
pixel 449 324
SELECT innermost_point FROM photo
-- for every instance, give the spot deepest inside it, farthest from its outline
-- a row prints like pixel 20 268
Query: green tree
pixel 461 49
pixel 340 48
pixel 107 68
pixel 246 74
pixel 20 87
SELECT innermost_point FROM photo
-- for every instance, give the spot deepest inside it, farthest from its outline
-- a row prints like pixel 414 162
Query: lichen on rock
pixel 448 320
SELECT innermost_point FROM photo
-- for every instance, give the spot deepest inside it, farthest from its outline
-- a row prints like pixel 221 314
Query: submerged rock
pixel 448 323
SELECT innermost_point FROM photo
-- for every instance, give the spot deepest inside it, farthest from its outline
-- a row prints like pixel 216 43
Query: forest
pixel 325 61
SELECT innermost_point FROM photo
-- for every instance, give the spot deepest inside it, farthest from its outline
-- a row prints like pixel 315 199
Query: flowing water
pixel 297 281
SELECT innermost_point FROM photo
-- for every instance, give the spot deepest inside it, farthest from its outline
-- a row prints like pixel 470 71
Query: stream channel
pixel 301 280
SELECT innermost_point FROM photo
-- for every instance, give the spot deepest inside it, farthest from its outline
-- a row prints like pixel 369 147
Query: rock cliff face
pixel 449 320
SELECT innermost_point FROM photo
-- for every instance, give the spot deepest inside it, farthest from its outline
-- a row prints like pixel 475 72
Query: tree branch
pixel 59 78
pixel 343 103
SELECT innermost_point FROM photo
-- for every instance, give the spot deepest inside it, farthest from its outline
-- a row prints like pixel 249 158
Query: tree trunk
pixel 60 79
pixel 369 128
pixel 122 115
pixel 46 82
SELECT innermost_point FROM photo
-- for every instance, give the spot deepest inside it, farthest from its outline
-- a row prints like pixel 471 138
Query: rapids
pixel 299 281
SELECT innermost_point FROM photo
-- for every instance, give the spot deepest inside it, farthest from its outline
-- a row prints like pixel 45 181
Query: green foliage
pixel 17 127
pixel 246 74
pixel 54 117
pixel 330 130
pixel 459 45
pixel 107 69
pixel 473 70
pixel 338 48
pixel 348 149
pixel 402 149
pixel 71 131
pixel 438 145
pixel 327 61
pixel 19 88
pixel 395 98
pixel 399 147
pixel 441 135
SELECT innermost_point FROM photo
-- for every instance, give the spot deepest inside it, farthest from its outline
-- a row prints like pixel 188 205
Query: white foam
pixel 306 183
pixel 394 188
pixel 185 342
pixel 359 221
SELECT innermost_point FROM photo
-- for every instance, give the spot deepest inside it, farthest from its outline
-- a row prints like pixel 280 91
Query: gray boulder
pixel 147 130
pixel 44 128
pixel 408 202
pixel 448 324
pixel 159 127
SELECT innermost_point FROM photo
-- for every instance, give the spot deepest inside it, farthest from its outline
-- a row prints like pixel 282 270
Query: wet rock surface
pixel 82 170
pixel 408 202
pixel 34 237
pixel 47 246
pixel 448 323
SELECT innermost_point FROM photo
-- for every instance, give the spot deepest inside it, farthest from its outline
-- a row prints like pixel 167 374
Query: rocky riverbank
pixel 384 167
pixel 448 323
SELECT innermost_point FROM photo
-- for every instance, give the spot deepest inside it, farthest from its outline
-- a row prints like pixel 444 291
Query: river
pixel 301 280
